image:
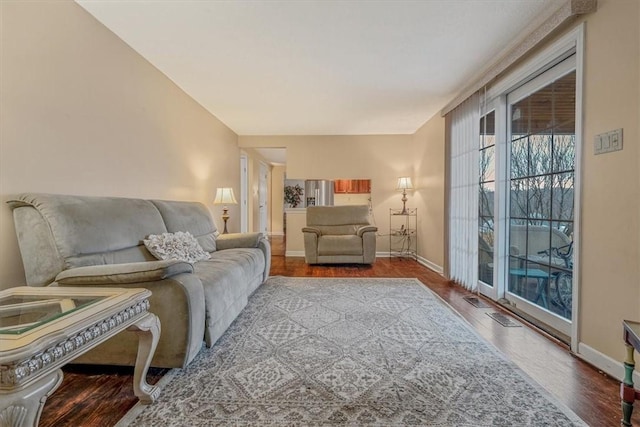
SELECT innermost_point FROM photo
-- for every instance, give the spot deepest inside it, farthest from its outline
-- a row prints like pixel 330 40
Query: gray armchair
pixel 338 235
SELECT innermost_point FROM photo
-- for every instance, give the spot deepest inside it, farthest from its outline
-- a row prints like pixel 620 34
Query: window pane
pixel 487 130
pixel 541 110
pixel 519 158
pixel 539 198
pixel 485 250
pixel 518 198
pixel 520 119
pixel 538 239
pixel 540 154
pixel 518 239
pixel 564 155
pixel 486 199
pixel 564 103
pixel 565 227
pixel 488 164
pixel 562 207
pixel 561 292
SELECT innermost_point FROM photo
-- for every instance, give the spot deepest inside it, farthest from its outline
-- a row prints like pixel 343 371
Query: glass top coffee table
pixel 42 329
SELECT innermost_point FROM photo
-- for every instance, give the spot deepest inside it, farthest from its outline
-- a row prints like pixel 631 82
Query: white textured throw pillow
pixel 179 245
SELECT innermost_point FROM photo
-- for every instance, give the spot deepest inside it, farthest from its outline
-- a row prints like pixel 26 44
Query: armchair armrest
pixel 114 274
pixel 311 230
pixel 366 229
pixel 238 240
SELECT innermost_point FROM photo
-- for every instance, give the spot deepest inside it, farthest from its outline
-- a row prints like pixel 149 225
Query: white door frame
pixel 498 209
pixel 263 199
pixel 244 179
pixel 570 43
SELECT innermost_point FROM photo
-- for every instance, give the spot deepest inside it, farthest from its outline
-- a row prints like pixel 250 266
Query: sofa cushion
pixel 179 245
pixel 340 245
pixel 96 230
pixel 225 278
pixel 189 216
pixel 228 278
pixel 249 260
pixel 338 229
pixel 337 215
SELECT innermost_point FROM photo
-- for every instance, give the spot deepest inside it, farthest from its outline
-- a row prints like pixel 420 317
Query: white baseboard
pixel 605 363
pixel 433 266
pixel 421 260
pixel 294 253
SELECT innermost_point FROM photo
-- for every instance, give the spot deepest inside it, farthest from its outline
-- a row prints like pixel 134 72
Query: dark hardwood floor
pixel 100 396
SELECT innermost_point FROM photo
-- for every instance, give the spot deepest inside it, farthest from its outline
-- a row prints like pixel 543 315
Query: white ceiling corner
pixel 318 67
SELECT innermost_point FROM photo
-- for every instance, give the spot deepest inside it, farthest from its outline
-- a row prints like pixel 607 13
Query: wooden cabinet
pixel 340 186
pixel 343 186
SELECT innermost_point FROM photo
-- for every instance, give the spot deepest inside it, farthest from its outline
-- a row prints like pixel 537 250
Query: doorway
pixel 244 179
pixel 263 201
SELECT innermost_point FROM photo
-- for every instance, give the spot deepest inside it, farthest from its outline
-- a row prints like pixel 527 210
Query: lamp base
pixel 225 218
pixel 404 203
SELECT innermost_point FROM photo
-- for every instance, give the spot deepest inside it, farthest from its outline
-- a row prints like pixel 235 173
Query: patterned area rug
pixel 387 352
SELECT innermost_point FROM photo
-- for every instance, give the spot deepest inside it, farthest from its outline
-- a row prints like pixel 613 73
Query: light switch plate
pixel 607 142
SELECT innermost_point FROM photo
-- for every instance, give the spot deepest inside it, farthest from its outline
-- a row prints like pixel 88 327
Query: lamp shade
pixel 224 196
pixel 404 183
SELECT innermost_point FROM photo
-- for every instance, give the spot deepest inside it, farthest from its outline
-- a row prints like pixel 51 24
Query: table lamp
pixel 404 184
pixel 224 196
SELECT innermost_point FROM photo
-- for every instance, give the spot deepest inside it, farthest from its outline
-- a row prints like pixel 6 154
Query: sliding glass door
pixel 541 170
pixel 527 156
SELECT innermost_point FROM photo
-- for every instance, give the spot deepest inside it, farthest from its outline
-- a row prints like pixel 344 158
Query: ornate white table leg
pixel 148 330
pixel 23 407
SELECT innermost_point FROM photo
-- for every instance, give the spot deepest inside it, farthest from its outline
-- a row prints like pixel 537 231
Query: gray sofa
pixel 339 234
pixel 97 241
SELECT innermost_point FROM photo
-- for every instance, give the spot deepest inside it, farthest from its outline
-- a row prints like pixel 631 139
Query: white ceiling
pixel 320 67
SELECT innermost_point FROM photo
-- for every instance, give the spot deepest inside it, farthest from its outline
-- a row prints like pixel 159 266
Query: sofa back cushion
pixel 338 220
pixel 192 217
pixel 92 230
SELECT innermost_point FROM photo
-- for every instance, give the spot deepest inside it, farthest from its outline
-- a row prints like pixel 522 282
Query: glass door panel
pixel 487 171
pixel 541 188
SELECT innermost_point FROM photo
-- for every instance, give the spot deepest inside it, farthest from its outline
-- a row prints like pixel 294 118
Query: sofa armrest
pixel 311 230
pixel 247 240
pixel 179 303
pixel 366 229
pixel 311 247
pixel 238 240
pixel 114 274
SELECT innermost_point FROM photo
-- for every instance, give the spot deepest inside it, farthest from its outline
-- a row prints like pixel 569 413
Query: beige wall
pixel 82 113
pixel 381 158
pixel 610 246
pixel 341 199
pixel 429 162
